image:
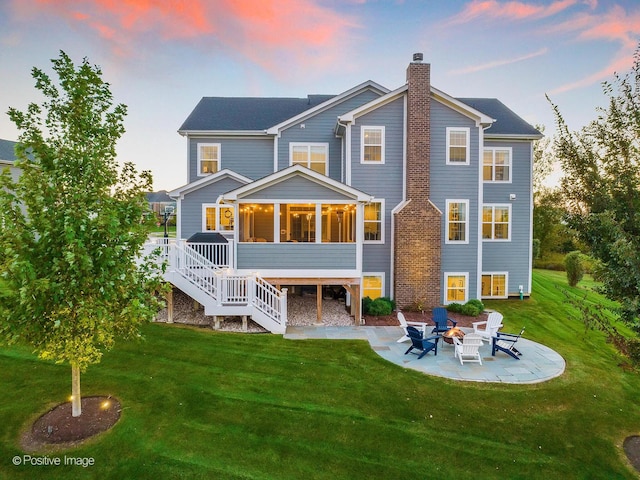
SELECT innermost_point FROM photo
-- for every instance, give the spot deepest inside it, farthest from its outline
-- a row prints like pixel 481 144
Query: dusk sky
pixel 162 56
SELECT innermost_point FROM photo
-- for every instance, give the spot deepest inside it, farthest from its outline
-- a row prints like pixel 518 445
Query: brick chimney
pixel 418 224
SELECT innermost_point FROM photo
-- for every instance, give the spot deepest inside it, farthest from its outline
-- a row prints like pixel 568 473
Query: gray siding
pixel 512 256
pixel 321 129
pixel 297 256
pixel 297 188
pixel 383 181
pixel 249 156
pixel 455 182
pixel 191 205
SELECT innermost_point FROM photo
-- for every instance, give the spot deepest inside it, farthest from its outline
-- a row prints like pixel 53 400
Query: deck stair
pixel 218 288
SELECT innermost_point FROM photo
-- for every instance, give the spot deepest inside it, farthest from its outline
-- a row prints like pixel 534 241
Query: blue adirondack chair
pixel 424 345
pixel 505 342
pixel 442 322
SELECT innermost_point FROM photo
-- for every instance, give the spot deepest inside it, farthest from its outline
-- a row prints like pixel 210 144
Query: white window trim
pixel 493 164
pixel 382 222
pixel 374 274
pixel 362 145
pixel 467 131
pixel 199 172
pixel 466 226
pixel 493 222
pixel 506 284
pixel 205 206
pixel 446 286
pixel 309 145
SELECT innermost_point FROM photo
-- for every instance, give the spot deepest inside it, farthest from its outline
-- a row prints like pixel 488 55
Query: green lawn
pixel 203 404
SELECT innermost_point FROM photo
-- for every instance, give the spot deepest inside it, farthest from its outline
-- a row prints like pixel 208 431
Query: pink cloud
pixel 271 33
pixel 512 10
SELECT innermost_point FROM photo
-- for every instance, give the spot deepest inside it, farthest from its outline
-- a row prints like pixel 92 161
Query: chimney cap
pixel 417 57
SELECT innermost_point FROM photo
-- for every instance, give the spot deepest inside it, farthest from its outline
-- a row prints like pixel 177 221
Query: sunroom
pixel 297 223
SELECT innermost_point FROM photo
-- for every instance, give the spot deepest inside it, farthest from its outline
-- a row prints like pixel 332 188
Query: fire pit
pixel 453 332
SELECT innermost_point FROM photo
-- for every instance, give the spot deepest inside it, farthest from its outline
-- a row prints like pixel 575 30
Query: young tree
pixel 602 187
pixel 73 226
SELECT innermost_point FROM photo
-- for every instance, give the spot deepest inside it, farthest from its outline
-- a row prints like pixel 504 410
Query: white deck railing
pixel 207 267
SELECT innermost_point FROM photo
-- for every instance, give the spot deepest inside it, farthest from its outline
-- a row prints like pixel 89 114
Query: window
pixel 494 285
pixel 496 222
pixel 310 155
pixel 373 222
pixel 456 287
pixel 338 223
pixel 457 227
pixel 216 217
pixel 457 146
pixel 372 145
pixel 373 285
pixel 496 165
pixel 255 222
pixel 208 158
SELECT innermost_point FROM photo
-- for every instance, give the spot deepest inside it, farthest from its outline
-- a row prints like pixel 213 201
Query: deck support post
pixel 319 304
pixel 170 305
pixel 245 323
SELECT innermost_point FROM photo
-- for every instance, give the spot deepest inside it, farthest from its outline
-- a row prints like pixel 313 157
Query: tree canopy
pixel 73 225
pixel 602 188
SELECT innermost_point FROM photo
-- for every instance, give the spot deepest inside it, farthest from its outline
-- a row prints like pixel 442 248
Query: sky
pixel 161 56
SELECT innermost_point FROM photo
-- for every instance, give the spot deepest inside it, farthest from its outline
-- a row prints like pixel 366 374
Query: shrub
pixel 391 302
pixel 470 310
pixel 366 305
pixel 377 307
pixel 574 265
pixel 454 307
pixel 477 303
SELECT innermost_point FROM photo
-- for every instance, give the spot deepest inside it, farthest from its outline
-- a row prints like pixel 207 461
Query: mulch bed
pixel 631 447
pixel 59 428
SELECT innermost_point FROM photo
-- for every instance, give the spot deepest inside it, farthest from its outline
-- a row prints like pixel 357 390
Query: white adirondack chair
pixel 488 329
pixel 467 349
pixel 404 324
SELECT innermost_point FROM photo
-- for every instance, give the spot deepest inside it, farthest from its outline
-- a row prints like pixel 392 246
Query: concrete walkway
pixel 537 363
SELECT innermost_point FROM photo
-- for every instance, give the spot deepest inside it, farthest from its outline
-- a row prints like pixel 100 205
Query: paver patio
pixel 538 363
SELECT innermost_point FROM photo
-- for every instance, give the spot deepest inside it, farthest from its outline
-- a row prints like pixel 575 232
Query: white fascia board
pixel 295 170
pixel 214 177
pixel 448 100
pixel 349 117
pixel 512 137
pixel 224 133
pixel 325 105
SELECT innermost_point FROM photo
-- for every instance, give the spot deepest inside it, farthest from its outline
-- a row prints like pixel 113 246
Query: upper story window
pixel 458 145
pixel 496 222
pixel 374 222
pixel 372 145
pixel 457 227
pixel 208 158
pixel 311 155
pixel 496 165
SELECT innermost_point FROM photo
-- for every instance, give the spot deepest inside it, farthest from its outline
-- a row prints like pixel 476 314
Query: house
pixel 160 202
pixel 408 193
pixel 8 157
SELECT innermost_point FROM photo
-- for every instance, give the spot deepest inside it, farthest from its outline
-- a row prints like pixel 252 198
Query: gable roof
pixel 207 180
pixel 7 150
pixel 507 122
pixel 246 113
pixel 296 171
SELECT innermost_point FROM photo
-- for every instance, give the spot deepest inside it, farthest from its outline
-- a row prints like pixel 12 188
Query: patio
pixel 537 363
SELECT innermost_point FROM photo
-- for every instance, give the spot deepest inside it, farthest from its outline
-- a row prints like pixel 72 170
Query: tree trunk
pixel 76 399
